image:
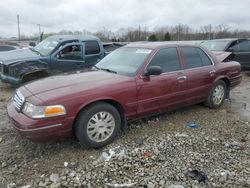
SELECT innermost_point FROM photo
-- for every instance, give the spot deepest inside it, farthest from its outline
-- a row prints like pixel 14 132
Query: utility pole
pixel 210 31
pixel 179 28
pixel 104 33
pixel 39 29
pixel 139 32
pixel 18 26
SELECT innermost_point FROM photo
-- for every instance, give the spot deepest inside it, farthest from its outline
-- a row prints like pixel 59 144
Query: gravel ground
pixel 155 152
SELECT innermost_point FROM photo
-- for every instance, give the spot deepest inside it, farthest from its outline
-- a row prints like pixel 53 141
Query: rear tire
pixel 97 125
pixel 217 95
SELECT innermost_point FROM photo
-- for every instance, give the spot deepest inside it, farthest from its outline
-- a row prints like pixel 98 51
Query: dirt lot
pixel 159 151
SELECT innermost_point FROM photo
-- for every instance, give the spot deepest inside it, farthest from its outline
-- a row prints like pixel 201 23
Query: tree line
pixel 179 32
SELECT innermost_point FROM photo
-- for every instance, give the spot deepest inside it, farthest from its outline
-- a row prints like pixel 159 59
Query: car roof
pixel 154 45
pixel 73 37
pixel 227 39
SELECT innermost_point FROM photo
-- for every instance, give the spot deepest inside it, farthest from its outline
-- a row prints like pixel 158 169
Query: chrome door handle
pixel 182 78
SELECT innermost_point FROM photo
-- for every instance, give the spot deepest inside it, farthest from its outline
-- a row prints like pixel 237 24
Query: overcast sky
pixel 93 15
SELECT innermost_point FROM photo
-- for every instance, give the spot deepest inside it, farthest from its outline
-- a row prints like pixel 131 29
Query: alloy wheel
pixel 100 126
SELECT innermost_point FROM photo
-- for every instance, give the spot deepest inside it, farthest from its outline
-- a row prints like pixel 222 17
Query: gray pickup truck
pixel 55 54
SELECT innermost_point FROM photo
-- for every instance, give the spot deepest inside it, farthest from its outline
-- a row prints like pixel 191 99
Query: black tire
pixel 84 118
pixel 211 101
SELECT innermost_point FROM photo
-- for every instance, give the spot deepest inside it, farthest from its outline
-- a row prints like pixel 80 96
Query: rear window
pixel 92 47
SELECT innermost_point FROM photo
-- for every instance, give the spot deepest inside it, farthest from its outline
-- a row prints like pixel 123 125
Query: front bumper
pixel 10 79
pixel 40 130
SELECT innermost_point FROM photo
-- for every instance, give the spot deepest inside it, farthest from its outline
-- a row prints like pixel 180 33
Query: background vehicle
pixel 56 54
pixel 132 82
pixel 5 48
pixel 240 49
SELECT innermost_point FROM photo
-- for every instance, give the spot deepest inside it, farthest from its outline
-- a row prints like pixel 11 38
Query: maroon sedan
pixel 132 82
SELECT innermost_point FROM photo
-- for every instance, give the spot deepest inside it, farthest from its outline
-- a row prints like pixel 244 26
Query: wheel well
pixel 227 82
pixel 114 103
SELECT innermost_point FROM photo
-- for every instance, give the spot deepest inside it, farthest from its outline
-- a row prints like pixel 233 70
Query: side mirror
pixel 58 56
pixel 33 44
pixel 230 49
pixel 152 70
pixel 106 53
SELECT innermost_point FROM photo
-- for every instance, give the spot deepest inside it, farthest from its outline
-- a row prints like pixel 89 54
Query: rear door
pixel 200 72
pixel 68 58
pixel 167 90
pixel 241 51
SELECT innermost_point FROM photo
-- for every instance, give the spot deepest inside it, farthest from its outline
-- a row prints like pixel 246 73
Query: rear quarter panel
pixel 230 70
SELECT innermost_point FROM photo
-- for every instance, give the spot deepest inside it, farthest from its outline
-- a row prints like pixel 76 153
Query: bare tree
pixel 177 32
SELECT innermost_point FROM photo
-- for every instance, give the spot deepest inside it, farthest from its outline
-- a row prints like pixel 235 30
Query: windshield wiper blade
pixel 35 51
pixel 96 67
pixel 108 70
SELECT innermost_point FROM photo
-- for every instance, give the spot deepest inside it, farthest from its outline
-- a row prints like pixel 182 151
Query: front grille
pixel 18 100
pixel 5 69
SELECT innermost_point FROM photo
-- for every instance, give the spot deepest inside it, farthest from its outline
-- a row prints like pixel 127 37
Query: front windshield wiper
pixel 33 49
pixel 108 70
pixel 96 67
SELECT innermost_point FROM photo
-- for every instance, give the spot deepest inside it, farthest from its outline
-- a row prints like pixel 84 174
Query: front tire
pixel 97 125
pixel 217 95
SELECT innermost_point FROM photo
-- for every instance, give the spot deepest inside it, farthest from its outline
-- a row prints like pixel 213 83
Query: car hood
pixel 54 87
pixel 18 55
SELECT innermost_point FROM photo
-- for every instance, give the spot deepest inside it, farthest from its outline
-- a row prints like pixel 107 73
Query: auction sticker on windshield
pixel 143 51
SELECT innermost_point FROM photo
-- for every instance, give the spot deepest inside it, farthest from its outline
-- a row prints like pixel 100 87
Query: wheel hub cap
pixel 218 94
pixel 100 126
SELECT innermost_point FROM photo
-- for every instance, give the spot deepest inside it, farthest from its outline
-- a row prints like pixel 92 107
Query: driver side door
pixel 69 57
pixel 164 91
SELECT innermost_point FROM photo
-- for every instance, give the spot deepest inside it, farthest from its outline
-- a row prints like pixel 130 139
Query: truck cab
pixel 54 55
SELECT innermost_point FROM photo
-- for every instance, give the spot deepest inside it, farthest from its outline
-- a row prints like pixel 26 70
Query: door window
pixel 72 52
pixel 92 47
pixel 192 57
pixel 243 46
pixel 204 57
pixel 167 59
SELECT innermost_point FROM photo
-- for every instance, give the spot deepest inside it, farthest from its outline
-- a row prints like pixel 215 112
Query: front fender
pixel 27 67
pixel 89 102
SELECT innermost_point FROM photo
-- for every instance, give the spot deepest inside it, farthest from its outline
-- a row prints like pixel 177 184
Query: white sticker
pixel 143 51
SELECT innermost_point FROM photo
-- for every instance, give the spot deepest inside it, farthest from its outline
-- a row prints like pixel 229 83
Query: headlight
pixel 43 111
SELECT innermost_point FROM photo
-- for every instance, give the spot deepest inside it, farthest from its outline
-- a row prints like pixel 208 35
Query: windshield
pixel 215 45
pixel 124 61
pixel 46 46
